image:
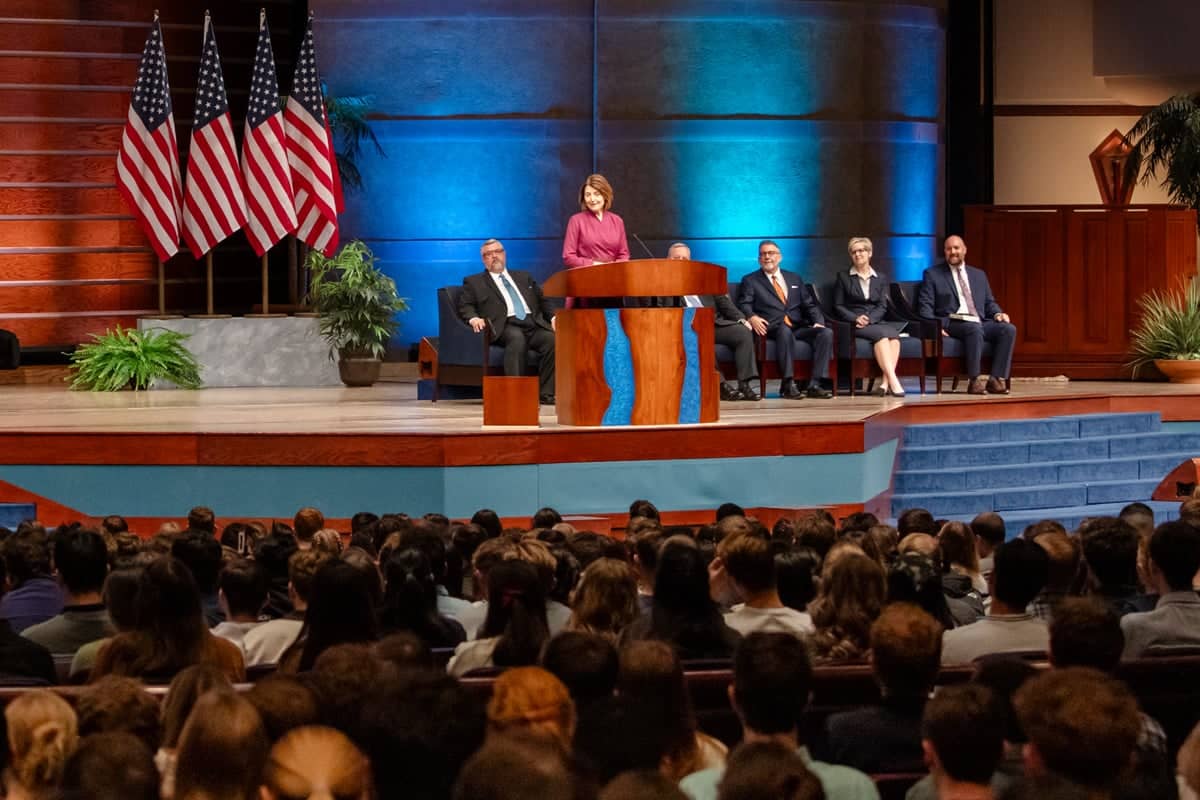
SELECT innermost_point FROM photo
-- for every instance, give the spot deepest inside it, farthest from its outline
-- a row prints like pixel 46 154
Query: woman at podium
pixel 595 235
pixel 860 298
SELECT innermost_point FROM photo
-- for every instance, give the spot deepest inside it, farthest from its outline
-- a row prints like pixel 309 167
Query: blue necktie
pixel 514 296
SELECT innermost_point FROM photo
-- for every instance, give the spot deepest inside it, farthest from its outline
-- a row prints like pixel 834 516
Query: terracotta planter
pixel 359 371
pixel 1179 371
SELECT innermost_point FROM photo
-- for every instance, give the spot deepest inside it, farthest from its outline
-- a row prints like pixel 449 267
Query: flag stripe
pixel 310 153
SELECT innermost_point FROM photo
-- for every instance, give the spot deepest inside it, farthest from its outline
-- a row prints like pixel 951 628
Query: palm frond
pixel 357 302
pixel 1169 329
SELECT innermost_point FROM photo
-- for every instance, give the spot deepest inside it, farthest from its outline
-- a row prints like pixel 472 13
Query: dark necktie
pixel 514 296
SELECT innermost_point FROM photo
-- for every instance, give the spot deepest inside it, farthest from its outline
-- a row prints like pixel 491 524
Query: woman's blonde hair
pixel 531 700
pixel 601 185
pixel 327 540
pixel 42 735
pixel 860 240
pixel 606 599
pixel 317 763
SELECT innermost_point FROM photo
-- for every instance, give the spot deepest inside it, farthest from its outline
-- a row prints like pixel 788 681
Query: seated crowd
pixel 366 654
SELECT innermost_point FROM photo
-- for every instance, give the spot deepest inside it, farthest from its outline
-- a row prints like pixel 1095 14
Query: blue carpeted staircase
pixel 13 514
pixel 1064 468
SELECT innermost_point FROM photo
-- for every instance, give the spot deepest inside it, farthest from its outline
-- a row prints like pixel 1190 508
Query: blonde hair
pixel 531 700
pixel 601 185
pixel 860 240
pixel 327 540
pixel 42 734
pixel 317 763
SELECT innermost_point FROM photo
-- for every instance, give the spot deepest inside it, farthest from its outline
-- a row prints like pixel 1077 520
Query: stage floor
pixel 393 408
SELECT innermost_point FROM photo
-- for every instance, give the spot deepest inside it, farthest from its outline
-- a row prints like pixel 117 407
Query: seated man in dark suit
pixel 520 318
pixel 730 328
pixel 779 305
pixel 954 288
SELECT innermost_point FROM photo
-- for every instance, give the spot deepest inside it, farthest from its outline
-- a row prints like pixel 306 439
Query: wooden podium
pixel 636 366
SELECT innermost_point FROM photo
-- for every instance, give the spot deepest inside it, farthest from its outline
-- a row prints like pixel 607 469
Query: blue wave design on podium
pixel 618 371
pixel 689 398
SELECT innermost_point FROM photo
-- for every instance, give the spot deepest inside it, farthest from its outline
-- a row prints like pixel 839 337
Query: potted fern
pixel 356 305
pixel 128 358
pixel 1169 334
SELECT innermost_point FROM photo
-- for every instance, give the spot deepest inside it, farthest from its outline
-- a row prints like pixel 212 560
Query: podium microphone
pixel 643 244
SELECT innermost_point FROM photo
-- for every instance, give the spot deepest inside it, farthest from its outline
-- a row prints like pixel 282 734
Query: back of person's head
pixel 1064 553
pixel 817 532
pixel 307 522
pixel 768 771
pixel 1003 675
pixel 404 650
pixel 606 598
pixel 110 766
pixel 1140 516
pixel 1081 725
pixel 185 689
pixel 749 561
pixel 586 663
pixel 116 703
pixel 1175 551
pixel 302 566
pixel 244 585
pixel 681 579
pixel 851 596
pixel 362 520
pixel 340 610
pixel 81 558
pixel 201 554
pixel 222 749
pixel 914 578
pixel 546 517
pixel 957 542
pixel 772 676
pixel 642 784
pixel 27 554
pixel 410 590
pixel 1036 529
pixel 515 768
pixel 989 526
pixel 729 510
pixel 114 524
pixel 1189 510
pixel 1189 760
pixel 906 650
pixel 859 521
pixel 328 541
pixel 1110 546
pixel 1085 632
pixel 489 520
pixel 588 547
pixel 42 735
pixel 343 679
pixel 916 520
pixel 316 763
pixel 418 730
pixel 202 518
pixel 272 553
pixel 1020 572
pixel 643 508
pixel 646 545
pixel 963 733
pixel 796 570
pixel 284 703
pixel 532 701
pixel 516 613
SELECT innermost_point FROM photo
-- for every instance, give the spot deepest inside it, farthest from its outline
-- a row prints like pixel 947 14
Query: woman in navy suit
pixel 860 298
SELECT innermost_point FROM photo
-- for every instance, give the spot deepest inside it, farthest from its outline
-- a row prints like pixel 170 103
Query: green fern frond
pixel 118 359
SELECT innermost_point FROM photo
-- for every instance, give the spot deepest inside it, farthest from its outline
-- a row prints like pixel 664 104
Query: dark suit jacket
pixel 726 313
pixel 481 297
pixel 938 299
pixel 849 302
pixel 758 297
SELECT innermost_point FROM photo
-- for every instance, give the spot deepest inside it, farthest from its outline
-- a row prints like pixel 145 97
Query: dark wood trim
pixel 1068 110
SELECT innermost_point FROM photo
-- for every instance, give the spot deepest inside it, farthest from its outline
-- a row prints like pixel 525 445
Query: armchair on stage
pixel 636 366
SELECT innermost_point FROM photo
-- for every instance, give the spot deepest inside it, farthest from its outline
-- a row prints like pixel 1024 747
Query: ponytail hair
pixel 516 613
pixel 42 734
pixel 317 763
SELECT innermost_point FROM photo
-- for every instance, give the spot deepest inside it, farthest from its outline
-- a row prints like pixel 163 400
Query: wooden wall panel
pixel 69 232
pixel 58 135
pixel 43 201
pixel 1071 277
pixel 75 265
pixel 23 68
pixel 76 297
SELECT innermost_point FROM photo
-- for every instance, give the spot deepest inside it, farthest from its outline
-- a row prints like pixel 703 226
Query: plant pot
pixel 1182 371
pixel 359 371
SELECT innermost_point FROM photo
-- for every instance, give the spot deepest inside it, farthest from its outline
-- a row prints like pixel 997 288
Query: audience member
pixel 202 518
pixel 404 651
pixel 110 766
pixel 273 553
pixel 768 771
pixel 201 554
pixel 729 510
pixel 340 610
pixel 1110 552
pixel 772 680
pixel 1020 573
pixel 489 520
pixel 120 601
pixel 515 768
pixel 1062 577
pixel 187 687
pixel 117 704
pixel 42 734
pixel 990 533
pixel 586 663
pixel 546 517
pixel 530 701
pixel 81 561
pixel 515 627
pixel 284 703
pixel 1174 560
pixel 306 523
pixel 962 737
pixel 410 601
pixel 817 532
pixel 22 662
pixel 605 601
pixel 315 763
pixel 646 545
pixel 266 643
pixel 913 578
pixel 641 784
pixel 242 596
pixel 746 562
pixel 906 650
pixel 916 520
pixel 343 679
pixel 643 508
pixel 796 571
pixel 169 631
pixel 34 596
pixel 964 603
pixel 960 555
pixel 328 541
pixel 848 601
pixel 222 750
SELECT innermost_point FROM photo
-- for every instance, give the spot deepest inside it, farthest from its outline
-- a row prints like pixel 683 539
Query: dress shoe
pixel 977 386
pixel 546 399
pixel 880 391
pixel 729 392
pixel 996 386
pixel 817 393
pixel 749 391
pixel 788 389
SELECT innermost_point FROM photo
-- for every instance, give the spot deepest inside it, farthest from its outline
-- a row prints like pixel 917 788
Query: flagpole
pixel 266 303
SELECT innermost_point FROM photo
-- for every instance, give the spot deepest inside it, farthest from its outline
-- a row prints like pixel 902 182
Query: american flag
pixel 310 152
pixel 213 205
pixel 269 200
pixel 148 161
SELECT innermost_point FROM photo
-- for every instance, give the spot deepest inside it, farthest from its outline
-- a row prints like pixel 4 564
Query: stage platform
pixel 263 453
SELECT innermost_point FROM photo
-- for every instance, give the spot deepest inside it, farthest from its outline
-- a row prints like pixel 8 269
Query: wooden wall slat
pixel 70 233
pixel 52 331
pixel 76 266
pixel 17 299
pixel 236 36
pixel 58 168
pixel 125 10
pixel 62 201
pixel 75 103
pixel 30 135
pixel 83 72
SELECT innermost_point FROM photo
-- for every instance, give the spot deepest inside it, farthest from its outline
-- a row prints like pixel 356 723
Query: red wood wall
pixel 72 259
pixel 1070 277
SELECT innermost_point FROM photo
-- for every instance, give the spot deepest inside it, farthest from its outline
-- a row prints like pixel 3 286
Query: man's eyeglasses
pixel 494 252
